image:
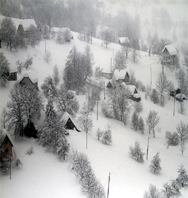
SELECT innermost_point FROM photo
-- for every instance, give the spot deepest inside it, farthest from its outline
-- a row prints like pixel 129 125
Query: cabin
pixel 124 41
pixel 28 81
pixel 12 75
pixel 131 92
pixel 22 25
pixel 120 76
pixel 69 122
pixel 6 146
pixel 169 54
pixel 180 97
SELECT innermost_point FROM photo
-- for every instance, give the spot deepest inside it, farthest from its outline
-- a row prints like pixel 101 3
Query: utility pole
pixel 147 149
pixel 108 190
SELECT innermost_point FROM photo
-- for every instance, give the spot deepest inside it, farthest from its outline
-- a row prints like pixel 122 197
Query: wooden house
pixel 120 76
pixel 6 146
pixel 28 81
pixel 124 41
pixel 69 122
pixel 131 92
pixel 169 54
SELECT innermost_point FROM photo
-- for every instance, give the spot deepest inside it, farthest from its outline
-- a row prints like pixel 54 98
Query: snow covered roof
pixel 130 88
pixel 171 49
pixel 24 22
pixel 66 117
pixel 33 80
pixel 119 74
pixel 123 40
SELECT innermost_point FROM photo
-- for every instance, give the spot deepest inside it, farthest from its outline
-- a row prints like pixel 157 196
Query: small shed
pixel 6 146
pixel 169 54
pixel 124 41
pixel 28 81
pixel 69 122
pixel 121 75
pixel 13 75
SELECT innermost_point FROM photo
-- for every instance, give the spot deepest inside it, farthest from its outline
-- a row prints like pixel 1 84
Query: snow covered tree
pixel 85 119
pixel 56 75
pixel 182 147
pixel 107 136
pixel 152 121
pixel 138 107
pixel 60 37
pixel 47 56
pixel 28 62
pixel 172 139
pixel 4 70
pixel 107 36
pixel 120 60
pixel 4 118
pixel 4 164
pixel 52 133
pixel 167 190
pixel 16 112
pixel 154 97
pixel 136 152
pixel 175 187
pixel 182 130
pixel 181 77
pixel 152 193
pixel 66 101
pixel 99 133
pixel 48 88
pixel 141 125
pixel 162 87
pixel 134 121
pixel 181 108
pixel 182 179
pixel 8 32
pixel 34 36
pixel 155 164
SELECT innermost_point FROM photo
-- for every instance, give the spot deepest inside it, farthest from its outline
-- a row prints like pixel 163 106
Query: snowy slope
pixel 43 175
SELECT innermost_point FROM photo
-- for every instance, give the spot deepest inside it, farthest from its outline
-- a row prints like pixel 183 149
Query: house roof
pixel 130 88
pixel 119 74
pixel 171 49
pixel 33 80
pixel 24 22
pixel 4 135
pixel 123 40
pixel 66 116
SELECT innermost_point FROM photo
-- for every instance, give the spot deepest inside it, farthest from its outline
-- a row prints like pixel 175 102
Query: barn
pixel 124 41
pixel 121 75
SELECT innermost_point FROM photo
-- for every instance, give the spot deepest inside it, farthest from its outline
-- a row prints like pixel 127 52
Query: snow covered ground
pixel 44 176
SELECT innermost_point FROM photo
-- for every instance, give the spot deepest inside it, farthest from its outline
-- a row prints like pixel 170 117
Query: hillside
pixel 43 175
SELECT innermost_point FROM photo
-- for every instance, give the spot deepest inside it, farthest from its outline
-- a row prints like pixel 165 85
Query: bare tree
pixel 47 57
pixel 162 86
pixel 4 118
pixel 152 121
pixel 182 130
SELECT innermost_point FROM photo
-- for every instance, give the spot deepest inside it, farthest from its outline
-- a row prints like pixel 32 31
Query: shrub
pixel 106 110
pixel 136 152
pixel 107 136
pixel 152 193
pixel 172 138
pixel 155 164
pixel 99 133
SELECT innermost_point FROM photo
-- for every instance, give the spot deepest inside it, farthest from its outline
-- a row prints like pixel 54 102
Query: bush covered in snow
pixel 182 179
pixel 172 139
pixel 106 109
pixel 81 166
pixel 155 164
pixel 136 152
pixel 104 135
pixel 152 193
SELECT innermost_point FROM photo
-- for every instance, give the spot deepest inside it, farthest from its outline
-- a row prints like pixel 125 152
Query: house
pixel 107 74
pixel 28 81
pixel 169 54
pixel 13 75
pixel 69 122
pixel 124 41
pixel 131 92
pixel 6 146
pixel 121 75
pixel 22 25
pixel 180 97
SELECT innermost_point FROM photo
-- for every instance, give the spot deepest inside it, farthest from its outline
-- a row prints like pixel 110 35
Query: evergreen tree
pixel 175 187
pixel 153 192
pixel 4 70
pixel 182 179
pixel 49 88
pixel 136 152
pixel 120 60
pixel 34 36
pixel 141 125
pixel 134 121
pixel 182 130
pixel 155 164
pixel 154 96
pixel 107 136
pixel 7 32
pixel 56 75
pixel 167 190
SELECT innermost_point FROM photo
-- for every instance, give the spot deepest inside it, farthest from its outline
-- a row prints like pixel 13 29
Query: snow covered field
pixel 44 176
